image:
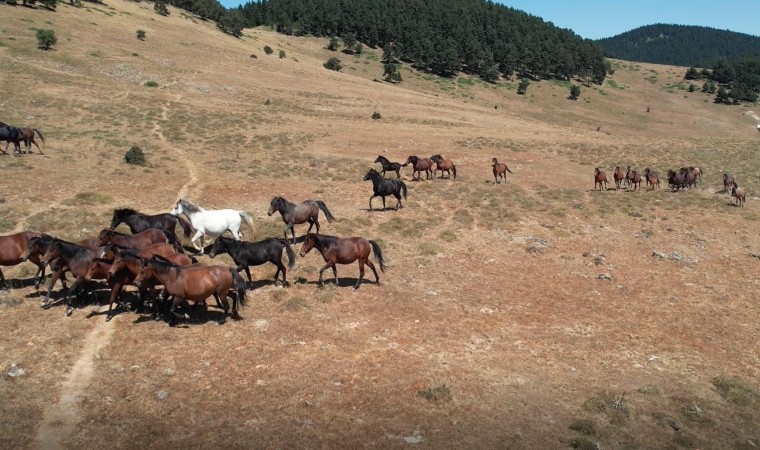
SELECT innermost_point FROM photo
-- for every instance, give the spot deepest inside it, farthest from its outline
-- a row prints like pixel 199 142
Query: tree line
pixel 444 37
pixel 732 81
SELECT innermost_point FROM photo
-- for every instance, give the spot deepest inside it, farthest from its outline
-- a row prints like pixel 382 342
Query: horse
pixel 28 135
pixel 599 178
pixel 383 188
pixel 11 134
pixel 444 165
pixel 194 283
pixel 77 259
pixel 136 241
pixel 137 222
pixel 628 177
pixel 618 176
pixel 389 166
pixel 126 265
pixel 499 171
pixel 37 247
pixel 337 250
pixel 306 211
pixel 247 254
pixel 212 222
pixel 651 177
pixel 728 182
pixel 676 180
pixel 739 194
pixel 418 165
pixel 12 249
pixel 635 180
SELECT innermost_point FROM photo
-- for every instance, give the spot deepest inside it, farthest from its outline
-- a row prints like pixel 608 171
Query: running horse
pixel 138 222
pixel 444 165
pixel 247 254
pixel 292 214
pixel 337 250
pixel 11 134
pixel 383 188
pixel 27 134
pixel 499 171
pixel 418 165
pixel 77 259
pixel 389 166
pixel 213 222
pixel 600 178
pixel 137 241
pixel 12 250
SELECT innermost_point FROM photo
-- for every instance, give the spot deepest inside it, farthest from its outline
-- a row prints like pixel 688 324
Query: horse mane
pixel 287 206
pixel 71 250
pixel 121 212
pixel 324 240
pixel 383 158
pixel 111 232
pixel 162 264
pixel 437 155
pixel 190 207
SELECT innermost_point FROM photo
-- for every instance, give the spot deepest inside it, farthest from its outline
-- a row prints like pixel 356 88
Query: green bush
pixel 135 156
pixel 333 64
pixel 282 54
pixel 268 50
pixel 141 35
pixel 376 115
pixel 151 83
pixel 46 39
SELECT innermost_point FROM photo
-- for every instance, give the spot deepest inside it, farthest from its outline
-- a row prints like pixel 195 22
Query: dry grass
pixel 493 288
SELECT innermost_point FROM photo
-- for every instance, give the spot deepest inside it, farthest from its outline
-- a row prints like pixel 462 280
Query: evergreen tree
pixel 721 96
pixel 333 44
pixel 333 64
pixel 389 54
pixel 691 74
pixel 231 22
pixel 349 42
pixel 392 73
pixel 160 8
pixel 46 39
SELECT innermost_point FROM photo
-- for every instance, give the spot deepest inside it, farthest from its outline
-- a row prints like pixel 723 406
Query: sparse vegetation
pixel 376 116
pixel 135 156
pixel 435 393
pixel 141 35
pixel 150 83
pixel 523 87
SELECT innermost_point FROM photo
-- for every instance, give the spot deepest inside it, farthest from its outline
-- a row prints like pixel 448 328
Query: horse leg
pixel 198 235
pixel 115 291
pixel 57 273
pixel 321 271
pixel 69 295
pixel 398 200
pixel 370 201
pixel 361 275
pixel 383 197
pixel 372 266
pixel 175 315
pixel 2 280
pixel 247 271
pixel 398 174
pixel 226 307
pixel 280 268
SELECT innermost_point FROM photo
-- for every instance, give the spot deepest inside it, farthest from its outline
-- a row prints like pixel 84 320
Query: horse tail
pixel 324 209
pixel 186 227
pixel 508 168
pixel 248 221
pixel 290 252
pixel 240 288
pixel 378 255
pixel 403 188
pixel 39 134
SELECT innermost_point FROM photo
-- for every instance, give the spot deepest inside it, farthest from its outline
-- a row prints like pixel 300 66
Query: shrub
pixel 575 92
pixel 46 39
pixel 141 35
pixel 135 156
pixel 523 87
pixel 376 115
pixel 333 64
pixel 333 44
pixel 268 50
pixel 160 8
pixel 282 54
pixel 151 83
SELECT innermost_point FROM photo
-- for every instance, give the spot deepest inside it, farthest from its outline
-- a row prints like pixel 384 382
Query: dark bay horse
pixel 383 188
pixel 12 134
pixel 138 222
pixel 389 166
pixel 499 170
pixel 247 254
pixel 444 165
pixel 77 259
pixel 599 178
pixel 728 182
pixel 136 241
pixel 13 247
pixel 418 165
pixel 306 211
pixel 195 283
pixel 27 134
pixel 651 177
pixel 337 250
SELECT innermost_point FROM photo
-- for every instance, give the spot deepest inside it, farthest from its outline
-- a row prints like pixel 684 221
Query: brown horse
pixel 337 250
pixel 77 259
pixel 651 177
pixel 306 211
pixel 12 249
pixel 27 134
pixel 137 241
pixel 195 283
pixel 739 194
pixel 635 180
pixel 444 165
pixel 618 176
pixel 418 165
pixel 126 264
pixel 499 170
pixel 599 178
pixel 728 182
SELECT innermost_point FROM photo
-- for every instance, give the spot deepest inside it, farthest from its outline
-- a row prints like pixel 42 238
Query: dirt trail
pixel 60 420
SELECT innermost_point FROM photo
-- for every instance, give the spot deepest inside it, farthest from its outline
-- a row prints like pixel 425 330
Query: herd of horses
pixel 16 135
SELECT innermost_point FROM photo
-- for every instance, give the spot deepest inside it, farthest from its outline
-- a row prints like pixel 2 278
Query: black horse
pixel 12 134
pixel 389 166
pixel 383 188
pixel 139 222
pixel 247 254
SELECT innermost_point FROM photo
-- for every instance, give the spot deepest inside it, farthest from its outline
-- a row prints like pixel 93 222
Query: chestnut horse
pixel 337 250
pixel 599 178
pixel 651 177
pixel 137 241
pixel 618 175
pixel 306 211
pixel 27 134
pixel 420 164
pixel 499 171
pixel 728 182
pixel 444 165
pixel 635 180
pixel 389 166
pixel 195 283
pixel 12 249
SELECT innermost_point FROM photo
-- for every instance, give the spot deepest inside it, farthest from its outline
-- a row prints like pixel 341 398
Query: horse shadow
pixel 344 282
pixel 379 210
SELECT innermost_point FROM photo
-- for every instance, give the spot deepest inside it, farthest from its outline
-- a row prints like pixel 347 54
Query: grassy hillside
pixel 536 313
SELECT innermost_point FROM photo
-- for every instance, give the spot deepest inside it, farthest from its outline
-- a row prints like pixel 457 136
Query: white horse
pixel 214 222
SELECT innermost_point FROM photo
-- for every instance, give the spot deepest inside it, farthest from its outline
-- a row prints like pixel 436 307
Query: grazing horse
pixel 337 250
pixel 418 165
pixel 137 241
pixel 12 134
pixel 138 222
pixel 383 188
pixel 306 211
pixel 739 194
pixel 444 165
pixel 27 134
pixel 635 180
pixel 499 171
pixel 77 259
pixel 213 222
pixel 12 249
pixel 618 176
pixel 389 166
pixel 728 182
pixel 599 178
pixel 651 177
pixel 195 283
pixel 247 254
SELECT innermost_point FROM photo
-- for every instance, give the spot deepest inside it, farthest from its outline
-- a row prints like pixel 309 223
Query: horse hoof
pixel 69 311
pixel 108 318
pixel 221 321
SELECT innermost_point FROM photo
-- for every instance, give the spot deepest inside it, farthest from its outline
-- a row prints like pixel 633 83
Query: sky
pixel 596 19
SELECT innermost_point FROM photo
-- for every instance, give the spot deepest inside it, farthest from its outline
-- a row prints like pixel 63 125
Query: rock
pixel 604 276
pixel 170 372
pixel 133 368
pixel 659 254
pixel 161 395
pixel 15 371
pixel 674 424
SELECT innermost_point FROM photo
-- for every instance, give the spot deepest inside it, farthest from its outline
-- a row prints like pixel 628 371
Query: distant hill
pixel 680 45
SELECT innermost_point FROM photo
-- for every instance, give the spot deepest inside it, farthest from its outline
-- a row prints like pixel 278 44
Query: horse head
pixel 371 173
pixel 309 242
pixel 178 208
pixel 218 247
pixel 274 205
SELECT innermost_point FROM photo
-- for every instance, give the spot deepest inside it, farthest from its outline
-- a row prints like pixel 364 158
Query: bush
pixel 135 156
pixel 150 83
pixel 523 87
pixel 575 92
pixel 46 39
pixel 160 8
pixel 141 35
pixel 333 44
pixel 282 54
pixel 268 50
pixel 376 116
pixel 333 64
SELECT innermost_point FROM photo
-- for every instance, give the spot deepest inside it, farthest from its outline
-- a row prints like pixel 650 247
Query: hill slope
pixel 536 313
pixel 680 45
